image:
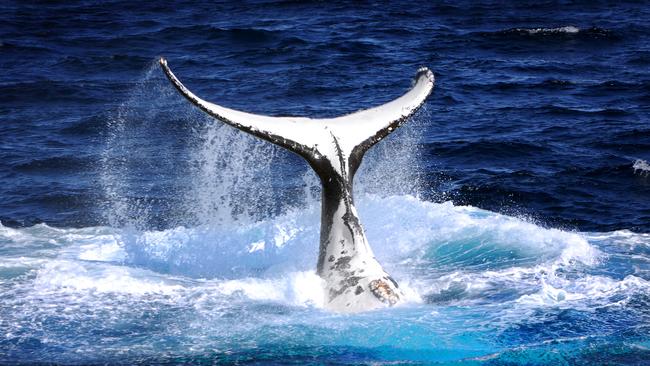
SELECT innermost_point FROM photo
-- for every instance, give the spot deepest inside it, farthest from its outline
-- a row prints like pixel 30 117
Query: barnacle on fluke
pixel 384 292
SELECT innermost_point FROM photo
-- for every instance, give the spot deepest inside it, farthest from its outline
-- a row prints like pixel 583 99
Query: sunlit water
pixel 240 284
pixel 171 238
pixel 480 287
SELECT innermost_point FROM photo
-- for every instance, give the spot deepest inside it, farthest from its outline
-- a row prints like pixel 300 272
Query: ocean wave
pixel 584 88
pixel 240 34
pixel 495 148
pixel 31 49
pixel 546 84
pixel 55 164
pixel 586 291
pixel 624 89
pixel 560 110
pixel 641 167
pixel 87 126
pixel 430 248
pixel 567 29
pixel 209 261
pixel 218 286
pixel 101 63
pixel 48 91
pixel 618 85
pixel 564 32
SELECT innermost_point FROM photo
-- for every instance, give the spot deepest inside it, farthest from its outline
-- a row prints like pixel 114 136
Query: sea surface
pixel 513 209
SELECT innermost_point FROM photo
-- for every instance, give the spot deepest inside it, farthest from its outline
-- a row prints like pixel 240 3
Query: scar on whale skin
pixel 334 148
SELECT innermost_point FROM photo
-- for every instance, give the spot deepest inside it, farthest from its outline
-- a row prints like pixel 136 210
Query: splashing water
pixel 223 270
pixel 478 284
pixel 230 175
pixel 642 167
pixel 566 29
pixel 131 150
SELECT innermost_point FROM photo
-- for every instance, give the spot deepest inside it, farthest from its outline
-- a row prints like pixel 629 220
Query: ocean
pixel 513 209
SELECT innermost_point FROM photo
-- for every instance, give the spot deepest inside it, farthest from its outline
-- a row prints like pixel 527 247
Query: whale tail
pixel 334 147
pixel 356 132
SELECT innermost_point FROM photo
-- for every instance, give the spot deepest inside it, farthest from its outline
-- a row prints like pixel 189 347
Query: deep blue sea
pixel 514 208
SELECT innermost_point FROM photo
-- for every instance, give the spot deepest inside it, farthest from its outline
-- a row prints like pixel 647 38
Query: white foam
pixel 102 252
pixel 641 166
pixel 88 279
pixel 258 245
pixel 286 243
pixel 295 288
pixel 71 276
pixel 436 251
pixel 566 29
pixel 418 228
pixel 584 292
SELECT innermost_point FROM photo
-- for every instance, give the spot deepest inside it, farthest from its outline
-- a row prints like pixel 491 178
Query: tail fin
pixel 355 132
pixel 367 127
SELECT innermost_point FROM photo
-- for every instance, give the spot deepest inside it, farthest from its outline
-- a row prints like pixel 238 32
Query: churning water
pixel 137 230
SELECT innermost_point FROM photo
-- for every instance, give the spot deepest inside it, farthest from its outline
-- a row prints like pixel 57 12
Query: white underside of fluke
pixel 334 147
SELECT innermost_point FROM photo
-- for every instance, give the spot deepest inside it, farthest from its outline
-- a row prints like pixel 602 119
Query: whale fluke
pixel 334 147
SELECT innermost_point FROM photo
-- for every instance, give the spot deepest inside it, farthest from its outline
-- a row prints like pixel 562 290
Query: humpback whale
pixel 334 147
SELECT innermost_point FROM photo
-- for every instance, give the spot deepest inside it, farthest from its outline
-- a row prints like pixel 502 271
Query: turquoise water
pixel 513 209
pixel 481 288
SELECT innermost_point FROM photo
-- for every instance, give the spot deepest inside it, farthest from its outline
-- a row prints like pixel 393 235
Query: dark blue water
pixel 515 206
